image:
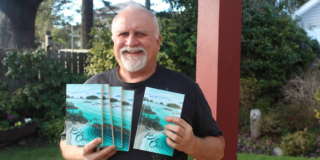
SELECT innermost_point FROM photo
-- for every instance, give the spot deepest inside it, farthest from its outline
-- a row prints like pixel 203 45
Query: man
pixel 137 40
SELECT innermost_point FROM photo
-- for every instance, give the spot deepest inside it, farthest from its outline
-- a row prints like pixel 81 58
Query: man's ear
pixel 159 42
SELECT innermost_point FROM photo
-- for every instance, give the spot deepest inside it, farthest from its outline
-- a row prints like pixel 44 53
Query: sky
pixel 156 5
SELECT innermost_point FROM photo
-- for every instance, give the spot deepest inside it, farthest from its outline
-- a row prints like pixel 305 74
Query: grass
pixel 244 156
pixel 53 153
pixel 43 153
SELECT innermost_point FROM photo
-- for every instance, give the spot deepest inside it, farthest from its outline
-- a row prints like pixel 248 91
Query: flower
pixel 10 116
pixel 27 120
pixel 17 124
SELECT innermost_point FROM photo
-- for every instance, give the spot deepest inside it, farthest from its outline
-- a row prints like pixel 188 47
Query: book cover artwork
pixel 86 111
pixel 116 107
pixel 156 105
pixel 127 107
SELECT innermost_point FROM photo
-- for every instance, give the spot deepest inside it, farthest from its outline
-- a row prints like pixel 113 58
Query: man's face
pixel 135 45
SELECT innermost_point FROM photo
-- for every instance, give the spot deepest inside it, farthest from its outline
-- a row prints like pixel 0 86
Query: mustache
pixel 132 49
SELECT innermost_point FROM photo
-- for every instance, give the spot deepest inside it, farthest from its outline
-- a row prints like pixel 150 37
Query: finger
pixel 110 154
pixel 178 121
pixel 172 144
pixel 104 152
pixel 174 137
pixel 177 129
pixel 91 145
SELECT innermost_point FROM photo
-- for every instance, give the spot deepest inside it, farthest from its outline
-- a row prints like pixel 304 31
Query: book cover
pixel 127 108
pixel 107 135
pixel 83 113
pixel 116 108
pixel 156 105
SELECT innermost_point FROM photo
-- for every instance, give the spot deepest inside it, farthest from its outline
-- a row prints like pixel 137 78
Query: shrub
pixel 272 46
pixel 300 143
pixel 297 116
pixel 43 96
pixel 251 145
pixel 271 123
pixel 52 129
pixel 317 97
pixel 179 38
pixel 100 57
pixel 249 89
pixel 302 88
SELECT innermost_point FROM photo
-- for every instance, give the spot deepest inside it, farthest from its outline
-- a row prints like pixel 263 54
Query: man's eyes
pixel 141 34
pixel 137 34
pixel 123 34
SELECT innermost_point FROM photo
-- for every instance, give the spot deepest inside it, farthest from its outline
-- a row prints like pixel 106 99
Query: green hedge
pixel 41 98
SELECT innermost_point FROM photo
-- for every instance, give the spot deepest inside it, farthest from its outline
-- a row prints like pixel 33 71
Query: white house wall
pixel 310 21
pixel 311 17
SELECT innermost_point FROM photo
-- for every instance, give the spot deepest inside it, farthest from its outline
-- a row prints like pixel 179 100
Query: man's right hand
pixel 90 154
pixel 87 152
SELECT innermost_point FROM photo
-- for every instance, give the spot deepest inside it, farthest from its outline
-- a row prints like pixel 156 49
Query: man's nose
pixel 132 41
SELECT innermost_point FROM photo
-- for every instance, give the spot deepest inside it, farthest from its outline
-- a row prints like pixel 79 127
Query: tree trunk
pixel 17 23
pixel 87 23
pixel 147 4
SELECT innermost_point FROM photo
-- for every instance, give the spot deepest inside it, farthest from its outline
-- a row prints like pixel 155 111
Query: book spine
pixel 121 118
pixel 102 114
pixel 131 121
pixel 110 110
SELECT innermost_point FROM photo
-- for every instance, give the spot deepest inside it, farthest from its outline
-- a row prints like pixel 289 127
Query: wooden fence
pixel 72 61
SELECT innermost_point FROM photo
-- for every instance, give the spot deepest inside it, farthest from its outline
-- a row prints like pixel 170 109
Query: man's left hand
pixel 180 136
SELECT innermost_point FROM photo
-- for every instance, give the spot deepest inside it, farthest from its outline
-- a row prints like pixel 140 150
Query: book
pixel 156 105
pixel 107 136
pixel 127 108
pixel 116 111
pixel 88 114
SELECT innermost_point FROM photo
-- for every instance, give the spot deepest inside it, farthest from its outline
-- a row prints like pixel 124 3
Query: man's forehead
pixel 120 30
pixel 125 24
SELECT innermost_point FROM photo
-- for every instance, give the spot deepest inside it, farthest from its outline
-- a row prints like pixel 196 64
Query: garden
pixel 276 77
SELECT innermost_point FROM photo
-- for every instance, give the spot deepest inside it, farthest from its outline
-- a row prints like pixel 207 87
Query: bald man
pixel 137 40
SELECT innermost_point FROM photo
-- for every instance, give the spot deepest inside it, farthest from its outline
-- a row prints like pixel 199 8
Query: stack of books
pixel 99 110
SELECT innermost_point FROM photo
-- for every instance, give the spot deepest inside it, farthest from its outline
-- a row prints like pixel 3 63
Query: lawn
pixel 244 156
pixel 39 153
pixel 53 153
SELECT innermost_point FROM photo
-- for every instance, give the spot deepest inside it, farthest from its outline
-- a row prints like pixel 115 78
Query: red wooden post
pixel 218 64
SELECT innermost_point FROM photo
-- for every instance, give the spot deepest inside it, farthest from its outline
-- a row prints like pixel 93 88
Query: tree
pixel 87 23
pixel 288 5
pixel 51 18
pixel 273 46
pixel 147 4
pixel 17 23
pixel 179 34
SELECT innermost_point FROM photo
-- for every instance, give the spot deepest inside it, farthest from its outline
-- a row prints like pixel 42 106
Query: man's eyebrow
pixel 142 30
pixel 120 31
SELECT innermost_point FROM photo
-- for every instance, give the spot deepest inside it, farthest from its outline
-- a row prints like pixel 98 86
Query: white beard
pixel 133 63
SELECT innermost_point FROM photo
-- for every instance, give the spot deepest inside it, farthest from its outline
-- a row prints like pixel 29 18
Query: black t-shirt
pixel 195 110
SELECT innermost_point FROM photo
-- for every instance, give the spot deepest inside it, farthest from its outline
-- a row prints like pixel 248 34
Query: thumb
pixel 91 145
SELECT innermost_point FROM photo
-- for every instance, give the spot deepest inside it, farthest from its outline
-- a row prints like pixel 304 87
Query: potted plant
pixel 18 130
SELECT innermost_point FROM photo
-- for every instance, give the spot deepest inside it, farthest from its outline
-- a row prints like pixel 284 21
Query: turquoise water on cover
pixel 161 112
pixel 92 112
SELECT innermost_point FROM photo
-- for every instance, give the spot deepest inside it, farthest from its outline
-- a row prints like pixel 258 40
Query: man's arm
pixel 87 152
pixel 184 140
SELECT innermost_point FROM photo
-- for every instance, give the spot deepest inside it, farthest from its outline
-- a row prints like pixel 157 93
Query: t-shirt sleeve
pixel 206 124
